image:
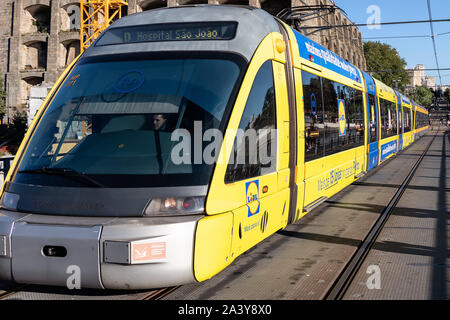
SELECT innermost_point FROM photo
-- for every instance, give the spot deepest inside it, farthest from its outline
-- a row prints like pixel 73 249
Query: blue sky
pixel 413 50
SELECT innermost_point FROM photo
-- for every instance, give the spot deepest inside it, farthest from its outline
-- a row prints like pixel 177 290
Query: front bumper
pixel 107 253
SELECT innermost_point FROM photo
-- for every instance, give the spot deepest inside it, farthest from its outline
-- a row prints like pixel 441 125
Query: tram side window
pixel 254 149
pixel 400 118
pixel 421 120
pixel 388 119
pixel 343 117
pixel 355 122
pixel 314 124
pixel 332 93
pixel 373 119
pixel 418 120
pixel 406 120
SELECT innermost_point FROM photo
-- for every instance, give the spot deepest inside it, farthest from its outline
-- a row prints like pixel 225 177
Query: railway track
pixel 340 286
pixel 161 293
pixel 12 291
pixel 150 295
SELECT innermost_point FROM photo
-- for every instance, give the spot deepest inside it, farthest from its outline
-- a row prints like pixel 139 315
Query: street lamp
pixel 396 81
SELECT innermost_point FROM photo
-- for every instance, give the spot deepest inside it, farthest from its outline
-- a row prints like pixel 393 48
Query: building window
pixel 152 4
pixel 34 56
pixel 36 18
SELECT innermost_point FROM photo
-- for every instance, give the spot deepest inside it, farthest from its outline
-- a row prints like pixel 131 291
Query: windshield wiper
pixel 65 172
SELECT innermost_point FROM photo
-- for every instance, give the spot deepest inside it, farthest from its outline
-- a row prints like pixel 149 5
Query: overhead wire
pixel 434 40
pixel 407 37
pixel 379 24
pixel 432 36
pixel 397 37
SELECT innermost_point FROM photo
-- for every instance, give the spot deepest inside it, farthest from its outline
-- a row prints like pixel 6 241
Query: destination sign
pixel 169 32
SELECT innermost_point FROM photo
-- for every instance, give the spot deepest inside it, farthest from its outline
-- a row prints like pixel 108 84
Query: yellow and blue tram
pixel 183 137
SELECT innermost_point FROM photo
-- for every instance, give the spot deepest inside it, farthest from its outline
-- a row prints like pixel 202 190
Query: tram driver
pixel 160 122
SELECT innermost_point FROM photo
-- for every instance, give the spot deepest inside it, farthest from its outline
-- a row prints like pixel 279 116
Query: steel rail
pixel 161 293
pixel 12 291
pixel 153 295
pixel 345 278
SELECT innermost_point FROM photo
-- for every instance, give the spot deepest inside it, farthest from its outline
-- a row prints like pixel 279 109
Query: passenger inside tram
pixel 312 134
pixel 160 122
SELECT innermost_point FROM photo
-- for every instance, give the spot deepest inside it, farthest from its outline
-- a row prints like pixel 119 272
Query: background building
pixel 418 77
pixel 39 38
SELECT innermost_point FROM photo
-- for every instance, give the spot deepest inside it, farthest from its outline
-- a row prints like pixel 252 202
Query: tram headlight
pixel 175 206
pixel 10 200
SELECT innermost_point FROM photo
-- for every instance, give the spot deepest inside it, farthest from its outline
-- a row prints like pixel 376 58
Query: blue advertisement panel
pixel 373 160
pixel 400 98
pixel 388 149
pixel 405 99
pixel 314 52
pixel 370 83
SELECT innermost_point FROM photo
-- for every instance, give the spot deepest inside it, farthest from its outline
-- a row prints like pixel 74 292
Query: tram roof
pixel 417 107
pixel 253 26
pixel 405 99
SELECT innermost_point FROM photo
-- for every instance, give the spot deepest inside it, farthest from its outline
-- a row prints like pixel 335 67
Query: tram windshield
pixel 120 124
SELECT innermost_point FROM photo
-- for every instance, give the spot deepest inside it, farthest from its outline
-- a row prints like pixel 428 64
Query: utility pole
pixel 396 82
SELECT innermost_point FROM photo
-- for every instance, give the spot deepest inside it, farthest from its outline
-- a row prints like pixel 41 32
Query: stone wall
pixel 5 33
pixel 36 44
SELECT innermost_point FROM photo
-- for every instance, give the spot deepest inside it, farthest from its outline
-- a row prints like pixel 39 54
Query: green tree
pixel 2 100
pixel 422 95
pixel 447 94
pixel 386 64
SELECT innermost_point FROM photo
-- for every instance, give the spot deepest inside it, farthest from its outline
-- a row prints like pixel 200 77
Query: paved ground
pixel 412 251
pixel 303 261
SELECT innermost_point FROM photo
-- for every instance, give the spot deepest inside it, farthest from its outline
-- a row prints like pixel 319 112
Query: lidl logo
pixel 341 118
pixel 252 197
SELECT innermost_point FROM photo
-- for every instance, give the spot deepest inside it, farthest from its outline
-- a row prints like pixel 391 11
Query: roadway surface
pixel 304 260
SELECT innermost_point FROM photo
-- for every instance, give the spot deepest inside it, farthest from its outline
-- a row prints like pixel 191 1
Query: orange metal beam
pixel 96 16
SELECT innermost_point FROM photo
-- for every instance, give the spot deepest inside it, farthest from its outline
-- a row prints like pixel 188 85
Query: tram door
pixel 400 121
pixel 266 183
pixel 372 113
pixel 413 122
pixel 249 192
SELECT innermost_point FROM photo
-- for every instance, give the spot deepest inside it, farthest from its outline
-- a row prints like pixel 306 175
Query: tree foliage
pixel 385 64
pixel 2 100
pixel 422 96
pixel 447 94
pixel 20 122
